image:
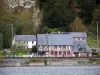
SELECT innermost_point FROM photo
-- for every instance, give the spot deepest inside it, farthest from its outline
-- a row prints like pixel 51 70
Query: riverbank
pixel 32 62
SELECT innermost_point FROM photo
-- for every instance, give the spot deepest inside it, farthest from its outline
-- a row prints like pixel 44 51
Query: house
pixel 81 49
pixel 79 35
pixel 63 44
pixel 76 35
pixel 58 45
pixel 71 44
pixel 24 40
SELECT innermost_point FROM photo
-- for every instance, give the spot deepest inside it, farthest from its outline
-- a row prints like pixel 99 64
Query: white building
pixel 24 40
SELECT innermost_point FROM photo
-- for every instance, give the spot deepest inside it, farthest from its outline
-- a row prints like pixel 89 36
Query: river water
pixel 57 70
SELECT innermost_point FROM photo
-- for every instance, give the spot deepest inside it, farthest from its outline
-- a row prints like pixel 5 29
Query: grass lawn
pixel 1 54
pixel 92 42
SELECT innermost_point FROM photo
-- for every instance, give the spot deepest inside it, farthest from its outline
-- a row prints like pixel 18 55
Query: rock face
pixel 24 3
pixel 37 13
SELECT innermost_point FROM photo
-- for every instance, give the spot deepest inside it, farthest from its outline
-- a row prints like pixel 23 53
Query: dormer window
pixel 80 49
pixel 76 38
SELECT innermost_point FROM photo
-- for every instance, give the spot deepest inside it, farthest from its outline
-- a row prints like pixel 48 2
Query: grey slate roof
pixel 55 39
pixel 78 34
pixel 74 34
pixel 80 46
pixel 25 37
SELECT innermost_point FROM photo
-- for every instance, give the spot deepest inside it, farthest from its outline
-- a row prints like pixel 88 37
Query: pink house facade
pixel 57 51
pixel 64 45
pixel 56 45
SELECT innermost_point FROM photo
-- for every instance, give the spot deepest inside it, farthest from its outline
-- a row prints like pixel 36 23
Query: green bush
pixel 1 41
pixel 34 49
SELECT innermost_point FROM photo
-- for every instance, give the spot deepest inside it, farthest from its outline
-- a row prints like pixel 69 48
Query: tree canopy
pixel 58 13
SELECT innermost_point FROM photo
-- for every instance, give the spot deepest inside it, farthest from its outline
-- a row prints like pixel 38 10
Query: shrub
pixel 34 49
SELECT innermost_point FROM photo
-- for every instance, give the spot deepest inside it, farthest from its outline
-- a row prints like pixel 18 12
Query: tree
pixel 5 24
pixel 96 14
pixel 1 41
pixel 34 49
pixel 78 26
pixel 86 8
pixel 57 13
pixel 49 30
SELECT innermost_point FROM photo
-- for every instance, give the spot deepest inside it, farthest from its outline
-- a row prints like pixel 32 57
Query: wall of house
pixel 83 54
pixel 58 51
pixel 27 44
pixel 79 38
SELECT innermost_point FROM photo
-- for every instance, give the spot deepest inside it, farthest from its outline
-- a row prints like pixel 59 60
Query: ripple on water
pixel 70 70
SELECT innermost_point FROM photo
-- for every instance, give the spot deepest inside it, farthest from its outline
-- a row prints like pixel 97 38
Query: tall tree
pixel 5 24
pixel 58 13
pixel 78 26
pixel 86 8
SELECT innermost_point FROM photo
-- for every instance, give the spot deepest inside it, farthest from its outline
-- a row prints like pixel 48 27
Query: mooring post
pixel 45 62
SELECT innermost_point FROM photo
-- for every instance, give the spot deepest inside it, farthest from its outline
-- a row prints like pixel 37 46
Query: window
pixel 68 52
pixel 69 47
pixel 59 48
pixel 76 38
pixel 24 42
pixel 40 48
pixel 64 47
pixel 32 42
pixel 54 47
pixel 64 53
pixel 81 38
pixel 55 52
pixel 52 52
pixel 80 49
pixel 46 48
pixel 60 52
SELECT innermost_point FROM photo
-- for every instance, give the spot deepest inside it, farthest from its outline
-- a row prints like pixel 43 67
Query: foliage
pixel 78 25
pixel 7 35
pixel 58 13
pixel 23 18
pixel 1 41
pixel 5 21
pixel 49 30
pixel 86 8
pixel 34 49
pixel 19 50
pixel 96 15
pixel 18 28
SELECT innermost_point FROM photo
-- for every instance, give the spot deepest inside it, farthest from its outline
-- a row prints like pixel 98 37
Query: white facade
pixel 27 44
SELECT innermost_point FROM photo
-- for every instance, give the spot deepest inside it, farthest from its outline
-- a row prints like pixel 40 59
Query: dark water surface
pixel 68 70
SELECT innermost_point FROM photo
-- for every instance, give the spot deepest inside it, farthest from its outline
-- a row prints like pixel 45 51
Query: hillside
pixel 45 16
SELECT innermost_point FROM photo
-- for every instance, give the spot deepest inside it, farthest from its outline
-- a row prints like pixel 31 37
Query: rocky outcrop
pixel 27 4
pixel 24 3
